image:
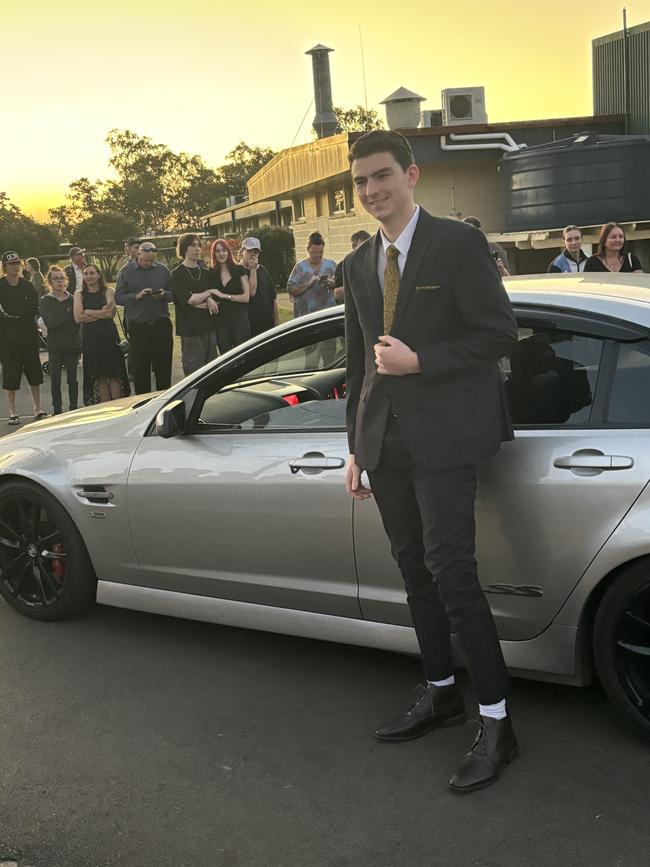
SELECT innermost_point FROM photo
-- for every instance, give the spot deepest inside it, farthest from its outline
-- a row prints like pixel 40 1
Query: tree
pixel 357 119
pixel 105 230
pixel 243 162
pixel 21 233
pixel 278 252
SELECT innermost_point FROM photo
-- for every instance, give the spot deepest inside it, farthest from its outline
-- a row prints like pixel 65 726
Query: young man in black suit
pixel 427 320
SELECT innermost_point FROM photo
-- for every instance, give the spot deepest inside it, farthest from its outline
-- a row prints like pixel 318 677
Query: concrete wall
pixel 462 190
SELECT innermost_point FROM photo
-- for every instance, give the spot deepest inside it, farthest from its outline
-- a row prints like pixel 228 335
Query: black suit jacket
pixel 453 311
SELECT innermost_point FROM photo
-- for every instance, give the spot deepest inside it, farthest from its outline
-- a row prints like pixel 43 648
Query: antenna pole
pixel 363 70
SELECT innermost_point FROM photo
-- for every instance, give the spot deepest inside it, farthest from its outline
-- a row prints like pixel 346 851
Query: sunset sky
pixel 200 76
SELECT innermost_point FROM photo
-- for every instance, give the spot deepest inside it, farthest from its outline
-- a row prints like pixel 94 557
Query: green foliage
pixel 357 119
pixel 22 234
pixel 243 162
pixel 104 230
pixel 278 252
pixel 156 190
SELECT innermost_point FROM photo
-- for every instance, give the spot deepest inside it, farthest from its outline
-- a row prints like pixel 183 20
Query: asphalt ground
pixel 132 739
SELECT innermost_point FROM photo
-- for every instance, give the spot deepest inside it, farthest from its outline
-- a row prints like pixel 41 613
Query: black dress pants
pixel 59 360
pixel 429 519
pixel 151 345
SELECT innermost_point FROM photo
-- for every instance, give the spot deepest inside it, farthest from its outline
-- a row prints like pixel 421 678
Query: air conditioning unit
pixel 431 117
pixel 463 105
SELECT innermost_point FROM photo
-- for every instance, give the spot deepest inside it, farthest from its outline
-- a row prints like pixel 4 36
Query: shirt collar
pixel 403 242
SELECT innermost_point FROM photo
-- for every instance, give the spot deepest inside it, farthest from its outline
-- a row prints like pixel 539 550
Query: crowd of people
pixel 219 304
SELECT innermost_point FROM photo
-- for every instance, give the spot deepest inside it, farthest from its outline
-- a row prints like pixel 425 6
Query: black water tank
pixel 586 180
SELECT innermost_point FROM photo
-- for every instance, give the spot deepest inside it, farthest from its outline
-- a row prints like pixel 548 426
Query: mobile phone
pixel 496 255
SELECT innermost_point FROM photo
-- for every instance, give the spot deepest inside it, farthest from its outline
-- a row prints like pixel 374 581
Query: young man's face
pixel 194 251
pixel 383 187
pixel 131 250
pixel 13 269
pixel 78 260
pixel 249 256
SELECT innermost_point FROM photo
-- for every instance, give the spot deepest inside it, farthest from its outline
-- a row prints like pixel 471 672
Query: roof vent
pixel 403 109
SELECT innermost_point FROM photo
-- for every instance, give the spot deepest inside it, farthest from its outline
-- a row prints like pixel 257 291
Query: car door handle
pixel 593 462
pixel 312 464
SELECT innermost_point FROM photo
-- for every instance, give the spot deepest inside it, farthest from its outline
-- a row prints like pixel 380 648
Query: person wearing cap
pixel 19 335
pixel 131 246
pixel 196 309
pixel 263 306
pixel 75 270
pixel 144 290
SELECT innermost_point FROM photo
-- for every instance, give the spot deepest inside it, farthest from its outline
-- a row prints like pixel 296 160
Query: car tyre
pixel 622 645
pixel 45 570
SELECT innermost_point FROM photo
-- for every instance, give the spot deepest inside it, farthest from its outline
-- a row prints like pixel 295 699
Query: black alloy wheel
pixel 45 571
pixel 622 645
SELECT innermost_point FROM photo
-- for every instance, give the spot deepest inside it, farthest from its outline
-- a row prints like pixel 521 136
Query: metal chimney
pixel 403 109
pixel 324 120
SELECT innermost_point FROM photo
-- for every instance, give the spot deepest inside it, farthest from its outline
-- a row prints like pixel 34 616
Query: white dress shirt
pixel 79 276
pixel 403 244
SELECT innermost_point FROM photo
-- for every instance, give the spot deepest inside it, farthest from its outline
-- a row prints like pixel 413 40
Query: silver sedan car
pixel 222 499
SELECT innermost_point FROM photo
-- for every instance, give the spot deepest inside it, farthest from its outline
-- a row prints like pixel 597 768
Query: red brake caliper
pixel 58 566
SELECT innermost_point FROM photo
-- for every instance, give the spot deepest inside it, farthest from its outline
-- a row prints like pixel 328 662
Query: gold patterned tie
pixel 391 286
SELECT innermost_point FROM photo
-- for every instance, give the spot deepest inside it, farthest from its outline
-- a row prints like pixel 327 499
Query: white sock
pixel 496 711
pixel 446 682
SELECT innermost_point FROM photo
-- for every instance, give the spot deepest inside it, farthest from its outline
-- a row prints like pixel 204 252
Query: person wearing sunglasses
pixel 144 290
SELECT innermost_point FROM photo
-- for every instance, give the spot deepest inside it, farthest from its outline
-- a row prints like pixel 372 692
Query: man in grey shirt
pixel 144 290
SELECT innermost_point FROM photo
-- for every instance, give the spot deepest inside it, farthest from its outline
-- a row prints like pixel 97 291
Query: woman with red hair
pixel 232 294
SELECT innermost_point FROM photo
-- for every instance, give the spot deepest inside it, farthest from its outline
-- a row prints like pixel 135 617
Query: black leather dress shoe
pixel 494 748
pixel 434 707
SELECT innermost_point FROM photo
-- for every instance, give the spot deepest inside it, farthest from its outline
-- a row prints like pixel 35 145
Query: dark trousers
pixel 429 519
pixel 59 360
pixel 232 329
pixel 151 346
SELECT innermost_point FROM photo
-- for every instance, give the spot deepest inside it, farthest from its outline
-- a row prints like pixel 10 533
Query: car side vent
pixel 94 494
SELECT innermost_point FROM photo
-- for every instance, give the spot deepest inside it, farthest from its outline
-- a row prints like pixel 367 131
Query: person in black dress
pixel 94 307
pixel 232 295
pixel 611 255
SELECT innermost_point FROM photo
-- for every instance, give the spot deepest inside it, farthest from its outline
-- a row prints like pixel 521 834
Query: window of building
pixel 349 197
pixel 337 200
pixel 299 209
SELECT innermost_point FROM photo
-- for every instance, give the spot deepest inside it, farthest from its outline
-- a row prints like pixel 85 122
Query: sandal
pixel 13 420
pixel 41 414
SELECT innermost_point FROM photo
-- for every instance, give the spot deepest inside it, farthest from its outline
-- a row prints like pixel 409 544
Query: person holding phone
pixel 311 283
pixel 144 290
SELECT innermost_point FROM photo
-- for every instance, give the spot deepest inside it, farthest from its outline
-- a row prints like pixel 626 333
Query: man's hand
pixel 353 481
pixel 394 358
pixel 140 295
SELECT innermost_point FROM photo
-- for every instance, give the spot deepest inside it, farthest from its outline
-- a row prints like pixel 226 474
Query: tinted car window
pixel 320 355
pixel 630 398
pixel 551 376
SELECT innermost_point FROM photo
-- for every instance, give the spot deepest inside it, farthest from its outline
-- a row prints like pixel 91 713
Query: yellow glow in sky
pixel 200 76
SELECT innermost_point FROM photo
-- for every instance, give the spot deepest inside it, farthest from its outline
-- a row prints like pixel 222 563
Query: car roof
pixel 620 296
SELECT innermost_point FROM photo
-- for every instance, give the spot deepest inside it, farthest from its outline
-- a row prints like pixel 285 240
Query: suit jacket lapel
pixel 422 237
pixel 372 280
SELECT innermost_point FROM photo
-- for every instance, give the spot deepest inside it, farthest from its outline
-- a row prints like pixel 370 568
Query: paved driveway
pixel 131 739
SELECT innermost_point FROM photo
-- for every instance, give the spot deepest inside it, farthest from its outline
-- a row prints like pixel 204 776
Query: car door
pixel 254 511
pixel 548 501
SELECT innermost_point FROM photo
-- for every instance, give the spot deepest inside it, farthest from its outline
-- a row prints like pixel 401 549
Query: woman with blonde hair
pixel 63 339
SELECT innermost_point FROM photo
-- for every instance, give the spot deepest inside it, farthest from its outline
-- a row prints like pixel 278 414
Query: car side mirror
pixel 171 420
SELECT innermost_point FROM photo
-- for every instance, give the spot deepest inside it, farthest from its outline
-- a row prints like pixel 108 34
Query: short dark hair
pixel 359 236
pixel 315 240
pixel 473 221
pixel 380 141
pixel 605 232
pixel 185 241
